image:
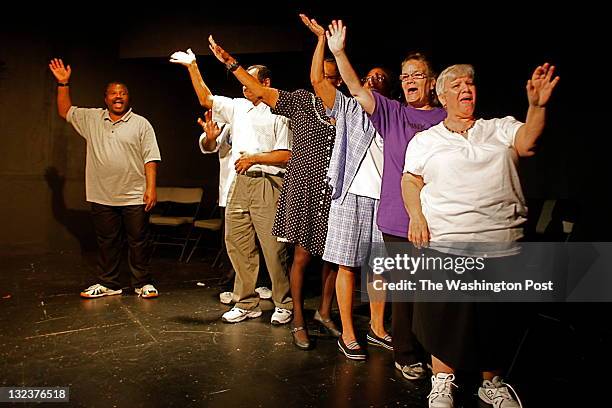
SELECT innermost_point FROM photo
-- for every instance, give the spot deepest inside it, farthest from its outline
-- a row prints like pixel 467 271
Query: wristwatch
pixel 233 66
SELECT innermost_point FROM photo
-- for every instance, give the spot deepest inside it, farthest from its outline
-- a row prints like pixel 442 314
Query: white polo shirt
pixel 226 165
pixel 472 190
pixel 255 129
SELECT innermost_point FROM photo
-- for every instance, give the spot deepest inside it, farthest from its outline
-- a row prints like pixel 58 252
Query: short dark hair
pixel 263 72
pixel 116 83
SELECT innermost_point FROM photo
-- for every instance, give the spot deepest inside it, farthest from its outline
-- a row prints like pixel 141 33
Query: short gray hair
pixel 451 73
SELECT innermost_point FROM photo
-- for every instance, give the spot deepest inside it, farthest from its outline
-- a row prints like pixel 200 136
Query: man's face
pixel 248 94
pixel 117 99
pixel 331 74
pixel 378 80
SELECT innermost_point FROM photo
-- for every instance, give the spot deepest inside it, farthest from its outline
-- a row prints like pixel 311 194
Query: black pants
pixel 111 223
pixel 406 347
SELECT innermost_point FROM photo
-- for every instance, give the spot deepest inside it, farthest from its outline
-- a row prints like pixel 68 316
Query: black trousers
pixel 406 347
pixel 112 224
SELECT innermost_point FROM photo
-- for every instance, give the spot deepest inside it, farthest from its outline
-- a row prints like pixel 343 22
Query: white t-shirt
pixel 255 129
pixel 369 175
pixel 472 191
pixel 226 165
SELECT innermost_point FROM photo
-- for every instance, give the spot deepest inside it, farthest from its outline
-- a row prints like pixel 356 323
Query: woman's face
pixel 417 83
pixel 459 97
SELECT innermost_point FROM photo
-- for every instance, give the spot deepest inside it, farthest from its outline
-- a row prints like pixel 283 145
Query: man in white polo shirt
pixel 120 173
pixel 261 147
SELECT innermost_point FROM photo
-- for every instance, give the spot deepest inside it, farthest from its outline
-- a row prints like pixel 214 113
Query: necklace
pixel 463 132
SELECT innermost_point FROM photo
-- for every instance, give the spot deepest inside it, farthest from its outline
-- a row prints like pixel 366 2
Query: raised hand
pixel 336 36
pixel 209 126
pixel 541 85
pixel 219 52
pixel 313 25
pixel 185 58
pixel 61 73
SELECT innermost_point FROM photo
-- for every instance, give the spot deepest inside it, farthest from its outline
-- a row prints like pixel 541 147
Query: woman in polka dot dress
pixel 303 207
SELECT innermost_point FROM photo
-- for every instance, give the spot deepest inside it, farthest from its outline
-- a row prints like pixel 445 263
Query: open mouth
pixel 467 98
pixel 412 90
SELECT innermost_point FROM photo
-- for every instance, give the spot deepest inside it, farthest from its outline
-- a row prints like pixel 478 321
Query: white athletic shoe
pixel 264 293
pixel 97 290
pixel 281 316
pixel 441 395
pixel 147 291
pixel 237 314
pixel 496 393
pixel 226 297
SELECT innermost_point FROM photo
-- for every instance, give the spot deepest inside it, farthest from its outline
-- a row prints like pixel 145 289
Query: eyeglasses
pixel 414 75
pixel 374 78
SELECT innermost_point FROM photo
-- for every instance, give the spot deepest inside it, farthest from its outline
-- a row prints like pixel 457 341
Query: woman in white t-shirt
pixel 463 174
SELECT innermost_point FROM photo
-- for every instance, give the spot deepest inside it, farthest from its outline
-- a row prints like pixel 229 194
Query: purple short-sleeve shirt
pixel 397 124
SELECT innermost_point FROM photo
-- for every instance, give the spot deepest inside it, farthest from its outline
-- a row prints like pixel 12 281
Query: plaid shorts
pixel 351 230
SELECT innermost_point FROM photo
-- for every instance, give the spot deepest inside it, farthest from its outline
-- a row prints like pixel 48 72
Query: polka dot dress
pixel 303 207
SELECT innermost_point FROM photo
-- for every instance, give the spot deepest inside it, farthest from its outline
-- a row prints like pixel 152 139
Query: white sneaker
pixel 441 395
pixel 147 291
pixel 264 293
pixel 496 393
pixel 226 297
pixel 237 314
pixel 412 371
pixel 97 290
pixel 281 316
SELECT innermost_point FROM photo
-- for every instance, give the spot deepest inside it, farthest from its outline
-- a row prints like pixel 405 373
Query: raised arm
pixel 267 95
pixel 188 60
pixel 336 37
pixel 418 230
pixel 324 89
pixel 62 75
pixel 539 90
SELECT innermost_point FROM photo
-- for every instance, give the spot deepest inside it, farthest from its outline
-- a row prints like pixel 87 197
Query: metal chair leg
pixel 195 245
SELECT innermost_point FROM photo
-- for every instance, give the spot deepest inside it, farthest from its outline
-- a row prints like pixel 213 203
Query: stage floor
pixel 173 351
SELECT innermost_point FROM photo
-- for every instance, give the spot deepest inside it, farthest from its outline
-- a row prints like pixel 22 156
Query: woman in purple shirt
pixel 396 123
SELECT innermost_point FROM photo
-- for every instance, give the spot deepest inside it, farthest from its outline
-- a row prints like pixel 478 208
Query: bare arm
pixel 273 158
pixel 336 36
pixel 323 88
pixel 62 75
pixel 188 60
pixel 267 95
pixel 418 231
pixel 150 197
pixel 539 90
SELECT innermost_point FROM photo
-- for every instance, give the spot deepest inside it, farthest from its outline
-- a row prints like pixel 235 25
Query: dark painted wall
pixel 42 158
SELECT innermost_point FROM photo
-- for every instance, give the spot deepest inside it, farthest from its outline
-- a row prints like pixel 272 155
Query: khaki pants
pixel 250 212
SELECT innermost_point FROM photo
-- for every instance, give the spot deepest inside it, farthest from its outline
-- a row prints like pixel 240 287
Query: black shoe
pixel 374 340
pixel 352 353
pixel 302 345
pixel 327 326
